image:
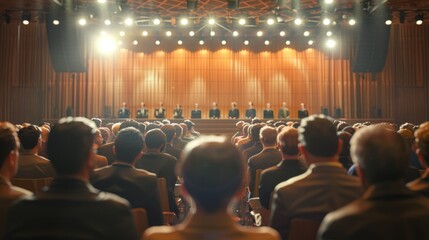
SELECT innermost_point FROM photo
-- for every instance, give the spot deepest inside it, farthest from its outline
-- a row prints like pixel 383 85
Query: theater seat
pixel 303 229
pixel 140 219
pixel 170 218
pixel 33 185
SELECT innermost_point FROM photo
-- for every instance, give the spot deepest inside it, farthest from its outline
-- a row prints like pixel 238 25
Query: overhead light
pixel 267 42
pixel 223 42
pixel 288 42
pixel 212 33
pixel 135 42
pixel 168 33
pixel 235 33
pixel 121 33
pixel 106 44
pixel 156 21
pixel 282 33
pixel 388 22
pixel 145 33
pixel 328 33
pixel 107 22
pixel 157 42
pixel 329 1
pixel 180 42
pixel 242 21
pixel 271 20
pixel 259 33
pixel 326 21
pixel 128 21
pixel 191 33
pixel 184 21
pixel 310 42
pixel 246 42
pixel 82 21
pixel 26 18
pixel 331 43
pixel 352 22
pixel 298 21
pixel 101 1
pixel 201 42
pixel 419 19
pixel 55 22
pixel 306 33
pixel 212 21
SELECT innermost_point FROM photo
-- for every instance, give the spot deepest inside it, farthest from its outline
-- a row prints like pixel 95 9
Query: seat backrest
pixel 303 229
pixel 163 193
pixel 257 179
pixel 33 185
pixel 140 219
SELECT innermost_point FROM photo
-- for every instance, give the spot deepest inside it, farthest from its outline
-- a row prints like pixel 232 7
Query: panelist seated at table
pixel 123 111
pixel 284 111
pixel 234 112
pixel 196 112
pixel 250 111
pixel 178 111
pixel 142 112
pixel 268 112
pixel 160 111
pixel 302 113
pixel 214 112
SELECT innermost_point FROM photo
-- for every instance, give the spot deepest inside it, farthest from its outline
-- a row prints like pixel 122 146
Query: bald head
pixel 268 136
pixel 287 141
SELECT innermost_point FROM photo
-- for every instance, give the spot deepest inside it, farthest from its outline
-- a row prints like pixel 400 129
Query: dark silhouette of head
pixel 155 139
pixel 422 141
pixel 169 132
pixel 287 141
pixel 29 137
pixel 8 141
pixel 128 144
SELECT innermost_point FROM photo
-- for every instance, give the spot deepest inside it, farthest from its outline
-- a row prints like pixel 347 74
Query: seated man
pixel 214 112
pixel 388 210
pixel 170 134
pixel 196 112
pixel 178 112
pixel 302 112
pixel 138 186
pixel 290 166
pixel 123 111
pixel 324 187
pixel 212 174
pixel 30 164
pixel 234 112
pixel 268 112
pixel 250 111
pixel 284 111
pixel 160 111
pixel 9 154
pixel 421 185
pixel 142 112
pixel 70 208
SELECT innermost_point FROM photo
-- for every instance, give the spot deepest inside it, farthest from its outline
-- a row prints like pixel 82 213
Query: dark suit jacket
pixel 107 151
pixel 234 113
pixel 170 149
pixel 34 166
pixel 302 113
pixel 323 188
pixel 268 113
pixel 123 113
pixel 142 113
pixel 266 158
pixel 178 113
pixel 250 113
pixel 138 186
pixel 196 113
pixel 247 145
pixel 71 209
pixel 179 143
pixel 386 211
pixel 420 185
pixel 159 113
pixel 214 113
pixel 253 150
pixel 283 113
pixel 272 176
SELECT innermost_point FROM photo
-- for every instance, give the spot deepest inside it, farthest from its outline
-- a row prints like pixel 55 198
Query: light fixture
pixel 419 19
pixel 271 20
pixel 267 42
pixel 331 43
pixel 242 21
pixel 191 33
pixel 246 42
pixel 212 21
pixel 101 1
pixel 184 21
pixel 121 33
pixel 201 42
pixel 298 21
pixel 26 18
pixel 168 33
pixel 157 42
pixel 106 44
pixel 306 33
pixel 235 33
pixel 282 33
pixel 156 21
pixel 82 21
pixel 310 42
pixel 388 22
pixel 223 42
pixel 328 33
pixel 326 21
pixel 259 33
pixel 288 42
pixel 107 22
pixel 352 21
pixel 212 33
pixel 55 22
pixel 128 21
pixel 135 42
pixel 145 33
pixel 180 42
pixel 329 1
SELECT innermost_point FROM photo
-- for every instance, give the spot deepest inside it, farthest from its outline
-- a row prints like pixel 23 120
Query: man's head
pixel 268 105
pixel 9 152
pixel 215 155
pixel 214 104
pixel 302 105
pixel 169 131
pixel 128 145
pixel 98 140
pixel 30 137
pixel 142 105
pixel 70 145
pixel 422 141
pixel 255 130
pixel 129 123
pixel 284 104
pixel 124 104
pixel 97 122
pixel 233 104
pixel 179 130
pixel 155 139
pixel 189 124
pixel 380 154
pixel 287 141
pixel 250 104
pixel 318 138
pixel 268 136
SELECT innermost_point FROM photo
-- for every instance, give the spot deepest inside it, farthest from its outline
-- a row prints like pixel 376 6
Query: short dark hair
pixel 318 136
pixel 151 126
pixel 169 132
pixel 29 136
pixel 69 144
pixel 380 153
pixel 128 144
pixel 129 123
pixel 155 138
pixel 97 122
pixel 287 139
pixel 179 130
pixel 8 141
pixel 255 130
pixel 224 162
pixel 422 140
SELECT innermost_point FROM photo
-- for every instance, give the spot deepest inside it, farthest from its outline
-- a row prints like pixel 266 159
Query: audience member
pixel 191 129
pixel 170 133
pixel 243 135
pixel 324 187
pixel 212 194
pixel 254 146
pixel 70 208
pixel 388 210
pixel 345 158
pixel 97 122
pixel 290 166
pixel 421 185
pixel 409 140
pixel 100 161
pixel 138 186
pixel 178 142
pixel 239 133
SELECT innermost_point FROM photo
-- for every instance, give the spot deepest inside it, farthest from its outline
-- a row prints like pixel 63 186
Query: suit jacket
pixel 107 151
pixel 100 161
pixel 272 176
pixel 142 113
pixel 210 226
pixel 302 113
pixel 214 113
pixel 34 166
pixel 196 113
pixel 323 188
pixel 268 113
pixel 234 113
pixel 71 209
pixel 138 186
pixel 178 113
pixel 160 113
pixel 266 158
pixel 123 113
pixel 250 113
pixel 253 150
pixel 170 149
pixel 420 185
pixel 387 211
pixel 179 143
pixel 284 113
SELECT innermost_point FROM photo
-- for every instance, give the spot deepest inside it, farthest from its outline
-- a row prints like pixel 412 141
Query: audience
pixel 324 187
pixel 388 210
pixel 170 134
pixel 255 145
pixel 290 166
pixel 30 164
pixel 70 208
pixel 212 194
pixel 421 185
pixel 138 186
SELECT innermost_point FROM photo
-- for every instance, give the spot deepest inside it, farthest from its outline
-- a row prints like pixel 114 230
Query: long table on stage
pixel 222 126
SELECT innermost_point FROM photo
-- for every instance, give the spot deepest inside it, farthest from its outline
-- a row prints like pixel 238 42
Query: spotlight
pixel 326 21
pixel 267 42
pixel 191 33
pixel 259 34
pixel 282 33
pixel 328 33
pixel 310 42
pixel 235 33
pixel 121 33
pixel 352 22
pixel 388 22
pixel 128 21
pixel 26 18
pixel 145 33
pixel 82 21
pixel 212 21
pixel 212 33
pixel 201 42
pixel 242 21
pixel 156 21
pixel 168 33
pixel 306 33
pixel 119 42
pixel 180 42
pixel 298 21
pixel 271 20
pixel 107 22
pixel 419 19
pixel 101 1
pixel 331 43
pixel 329 1
pixel 106 44
pixel 246 42
pixel 135 42
pixel 55 22
pixel 157 42
pixel 184 21
pixel 223 42
pixel 288 42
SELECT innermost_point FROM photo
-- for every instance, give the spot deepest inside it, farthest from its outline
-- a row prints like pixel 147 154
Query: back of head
pixel 408 137
pixel 8 141
pixel 214 155
pixel 256 120
pixel 70 143
pixel 169 132
pixel 255 130
pixel 184 128
pixel 155 139
pixel 189 124
pixel 128 144
pixel 380 153
pixel 318 136
pixel 345 137
pixel 268 136
pixel 178 129
pixel 239 125
pixel 29 137
pixel 151 126
pixel 129 123
pixel 287 140
pixel 115 128
pixel 422 140
pixel 97 122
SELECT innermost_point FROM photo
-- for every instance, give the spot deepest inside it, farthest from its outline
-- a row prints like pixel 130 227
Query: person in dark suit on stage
pixel 178 112
pixel 196 112
pixel 214 112
pixel 160 111
pixel 142 112
pixel 138 186
pixel 387 210
pixel 302 113
pixel 268 112
pixel 250 111
pixel 234 112
pixel 284 111
pixel 123 111
pixel 70 207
